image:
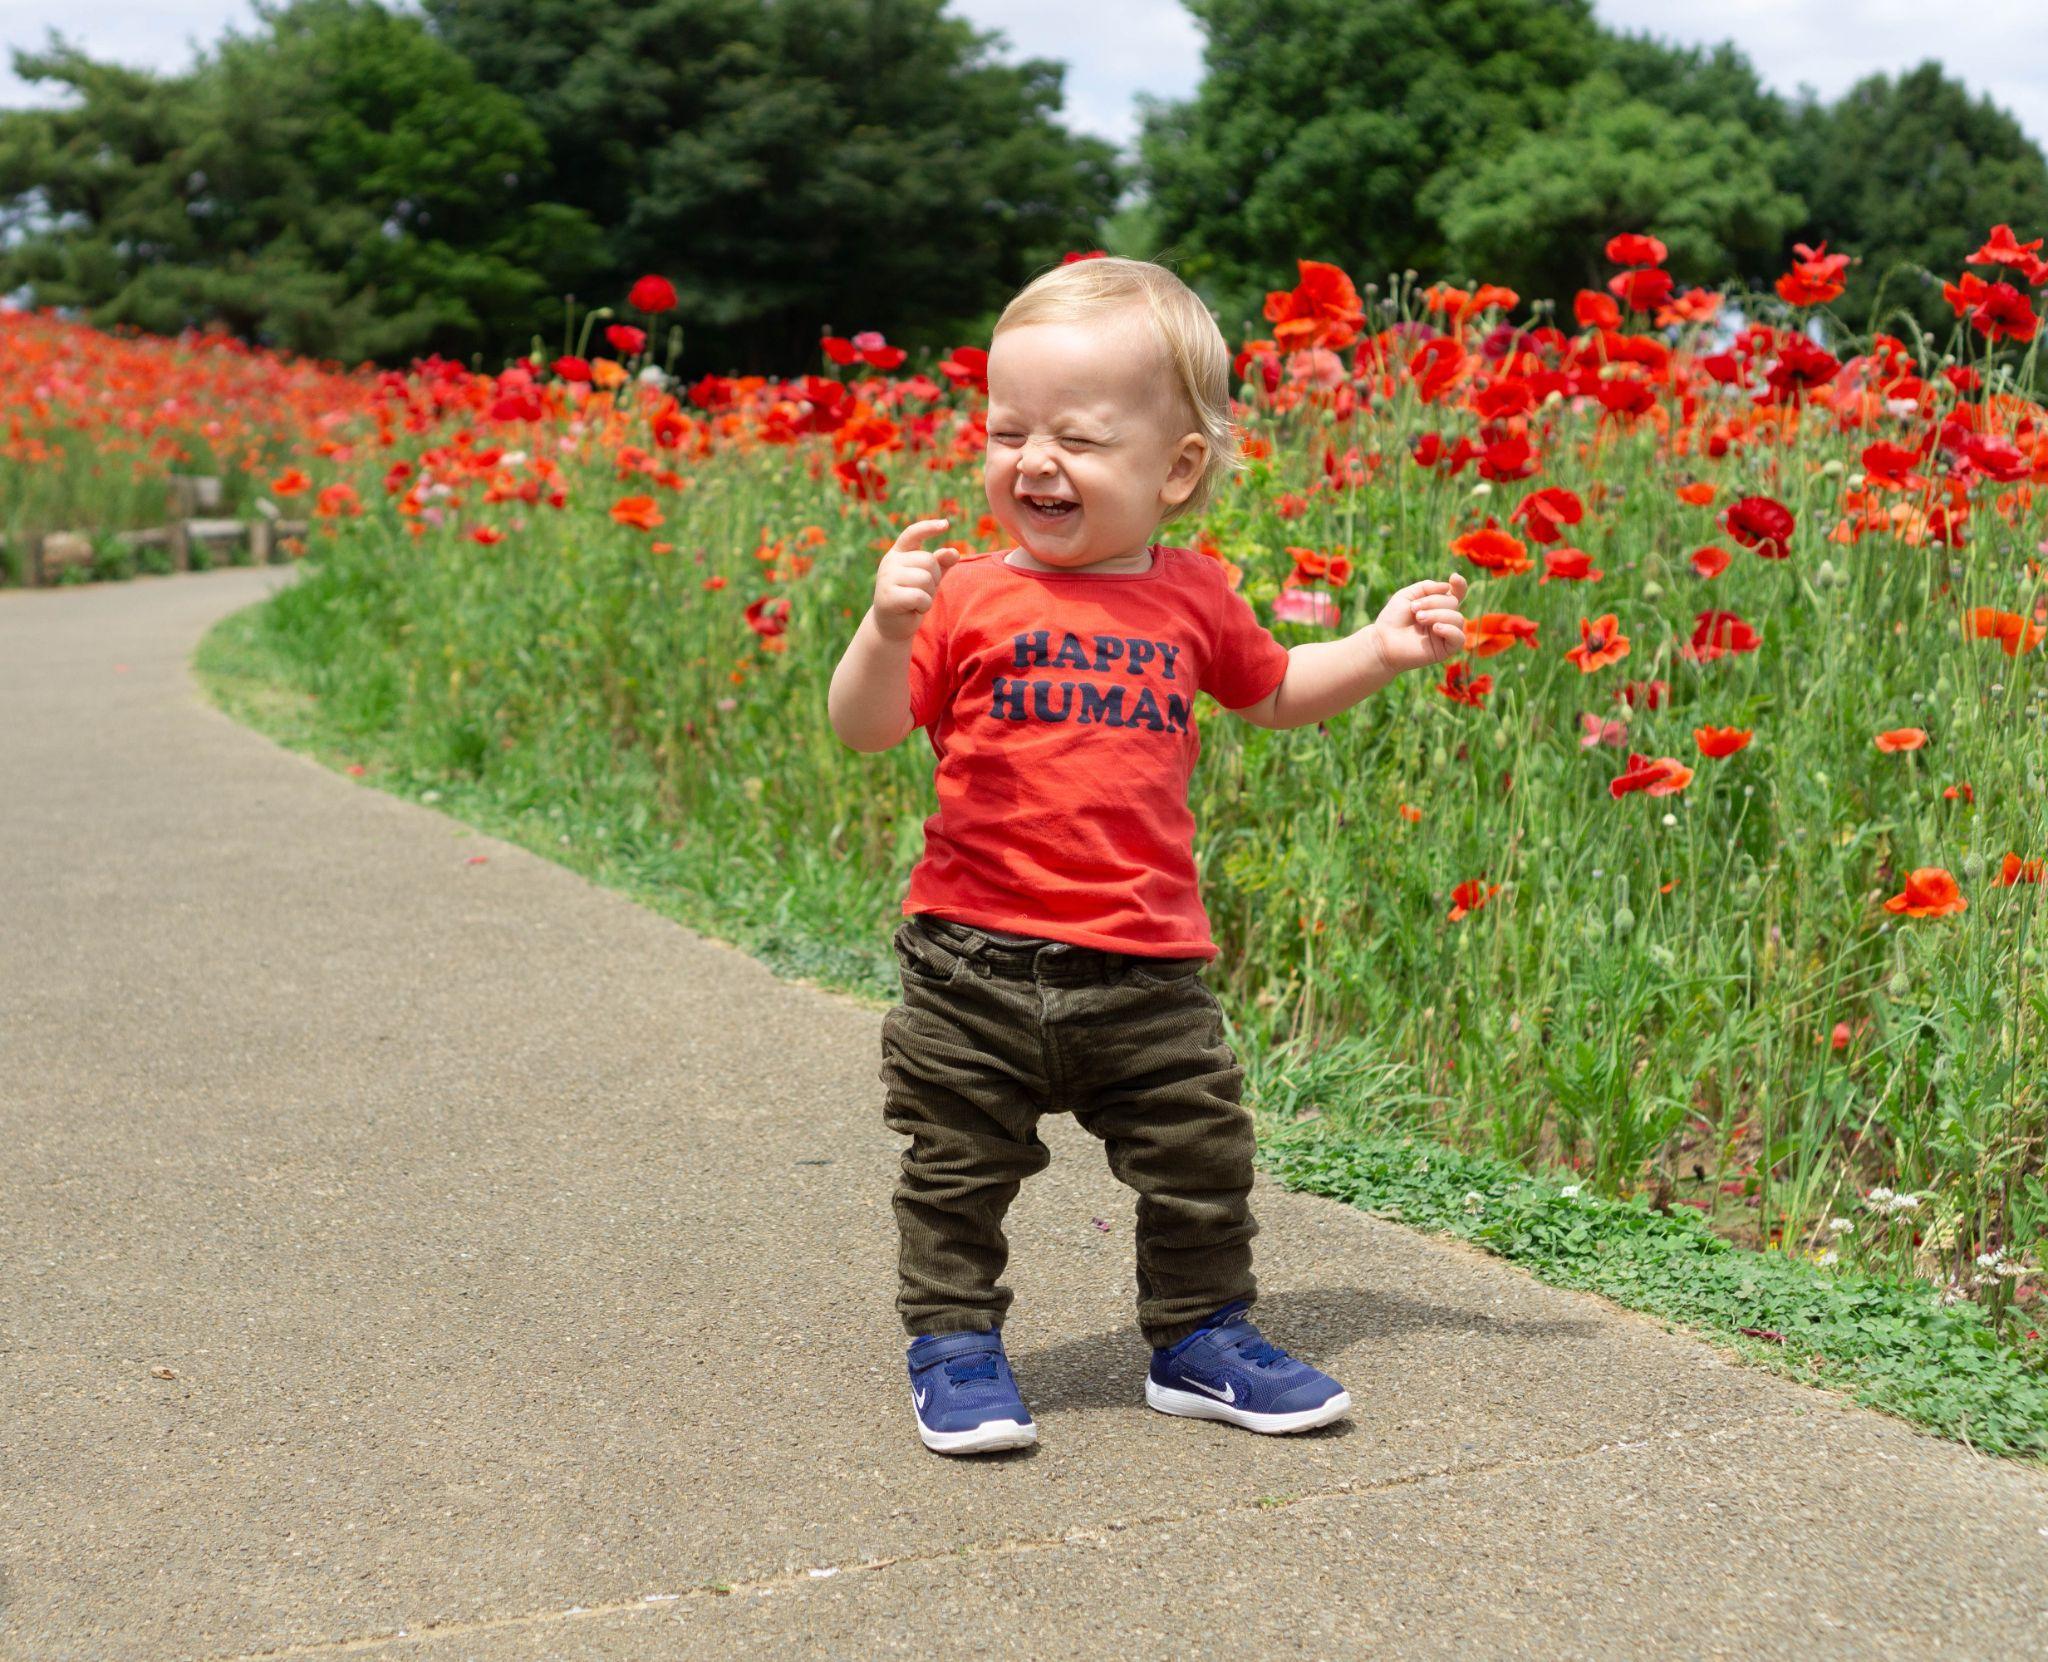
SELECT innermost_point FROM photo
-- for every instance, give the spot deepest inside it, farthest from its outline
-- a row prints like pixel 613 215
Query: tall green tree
pixel 1538 217
pixel 1909 175
pixel 337 183
pixel 1334 130
pixel 862 164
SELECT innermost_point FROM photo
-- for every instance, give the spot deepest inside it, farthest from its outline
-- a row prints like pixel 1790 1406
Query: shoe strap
pixel 956 1344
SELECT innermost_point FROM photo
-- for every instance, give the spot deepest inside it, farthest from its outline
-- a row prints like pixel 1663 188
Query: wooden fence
pixel 44 554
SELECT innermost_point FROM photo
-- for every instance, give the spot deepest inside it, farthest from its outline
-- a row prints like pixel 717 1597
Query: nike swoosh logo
pixel 1228 1393
pixel 921 1395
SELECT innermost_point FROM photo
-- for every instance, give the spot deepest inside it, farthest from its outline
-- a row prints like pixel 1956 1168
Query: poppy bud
pixel 1624 920
pixel 1898 986
pixel 1973 864
pixel 1652 589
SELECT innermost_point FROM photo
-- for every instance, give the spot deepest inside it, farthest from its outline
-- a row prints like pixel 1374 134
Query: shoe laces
pixel 960 1369
pixel 1260 1351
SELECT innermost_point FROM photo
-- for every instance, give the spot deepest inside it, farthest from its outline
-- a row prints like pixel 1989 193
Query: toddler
pixel 1054 942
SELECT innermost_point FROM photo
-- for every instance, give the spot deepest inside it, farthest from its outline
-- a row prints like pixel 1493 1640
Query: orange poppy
pixel 1721 741
pixel 1492 549
pixel 1492 632
pixel 1930 892
pixel 637 511
pixel 1901 738
pixel 1600 644
pixel 2013 633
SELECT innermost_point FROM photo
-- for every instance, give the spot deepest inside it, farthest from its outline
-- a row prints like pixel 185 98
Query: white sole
pixel 977 1439
pixel 1188 1404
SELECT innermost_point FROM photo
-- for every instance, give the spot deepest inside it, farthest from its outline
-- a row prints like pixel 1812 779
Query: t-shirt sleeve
pixel 1245 662
pixel 930 666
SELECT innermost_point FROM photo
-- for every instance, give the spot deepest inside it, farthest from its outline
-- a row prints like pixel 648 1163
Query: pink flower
pixel 1305 606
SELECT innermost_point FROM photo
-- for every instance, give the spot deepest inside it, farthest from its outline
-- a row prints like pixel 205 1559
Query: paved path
pixel 524 1261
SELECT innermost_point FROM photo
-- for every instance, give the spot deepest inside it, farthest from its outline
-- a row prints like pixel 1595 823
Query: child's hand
pixel 1421 625
pixel 907 581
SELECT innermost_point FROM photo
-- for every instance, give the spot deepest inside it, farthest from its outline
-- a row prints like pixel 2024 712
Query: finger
pixel 918 530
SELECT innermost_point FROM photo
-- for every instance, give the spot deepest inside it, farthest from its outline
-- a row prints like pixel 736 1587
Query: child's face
pixel 1085 413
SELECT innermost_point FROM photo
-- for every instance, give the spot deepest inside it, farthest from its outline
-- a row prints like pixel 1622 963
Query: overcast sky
pixel 1999 47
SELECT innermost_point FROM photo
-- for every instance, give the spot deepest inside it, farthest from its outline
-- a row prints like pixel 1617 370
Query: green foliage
pixel 1895 1347
pixel 842 164
pixel 1911 173
pixel 334 185
pixel 1321 126
pixel 1537 218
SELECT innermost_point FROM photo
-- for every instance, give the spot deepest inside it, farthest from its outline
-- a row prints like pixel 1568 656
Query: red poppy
pixel 1760 523
pixel 1323 309
pixel 1815 277
pixel 1721 741
pixel 1634 248
pixel 1697 494
pixel 1901 738
pixel 1596 311
pixel 2013 869
pixel 1997 311
pixel 1091 254
pixel 1492 632
pixel 966 366
pixel 1545 513
pixel 1570 565
pixel 1655 776
pixel 768 616
pixel 1930 892
pixel 1710 562
pixel 624 338
pixel 1492 549
pixel 1455 687
pixel 2002 248
pixel 572 369
pixel 652 294
pixel 1643 695
pixel 1600 643
pixel 1717 632
pixel 1641 290
pixel 1469 896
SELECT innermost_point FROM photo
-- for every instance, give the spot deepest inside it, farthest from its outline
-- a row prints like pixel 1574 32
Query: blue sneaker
pixel 1227 1371
pixel 965 1396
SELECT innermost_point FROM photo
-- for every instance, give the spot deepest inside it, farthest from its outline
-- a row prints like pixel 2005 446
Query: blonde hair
pixel 1180 323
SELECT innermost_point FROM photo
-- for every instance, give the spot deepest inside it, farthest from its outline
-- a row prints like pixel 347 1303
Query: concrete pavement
pixel 523 1263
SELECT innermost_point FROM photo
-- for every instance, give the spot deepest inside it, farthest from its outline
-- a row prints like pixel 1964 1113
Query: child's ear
pixel 1186 471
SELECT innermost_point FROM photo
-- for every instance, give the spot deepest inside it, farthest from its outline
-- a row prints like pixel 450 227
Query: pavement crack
pixel 1093 1535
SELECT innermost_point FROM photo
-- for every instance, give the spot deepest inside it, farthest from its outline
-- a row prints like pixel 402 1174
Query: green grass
pixel 1890 1344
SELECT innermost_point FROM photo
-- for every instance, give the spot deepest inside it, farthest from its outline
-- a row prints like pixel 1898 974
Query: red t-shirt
pixel 1061 706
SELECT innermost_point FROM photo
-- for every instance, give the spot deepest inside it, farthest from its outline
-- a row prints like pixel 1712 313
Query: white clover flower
pixel 1571 1189
pixel 1837 1225
pixel 1831 1256
pixel 1474 1200
pixel 1670 819
pixel 654 376
pixel 1482 489
pixel 1878 1198
pixel 1990 1260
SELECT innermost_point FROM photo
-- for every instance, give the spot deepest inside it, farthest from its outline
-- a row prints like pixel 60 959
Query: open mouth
pixel 1049 510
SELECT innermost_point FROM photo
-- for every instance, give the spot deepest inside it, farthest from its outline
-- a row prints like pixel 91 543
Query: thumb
pixel 948 557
